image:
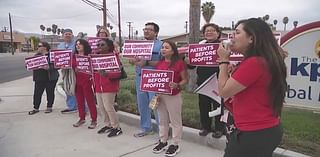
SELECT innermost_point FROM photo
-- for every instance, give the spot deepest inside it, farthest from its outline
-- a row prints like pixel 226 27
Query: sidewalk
pixel 52 135
pixel 47 135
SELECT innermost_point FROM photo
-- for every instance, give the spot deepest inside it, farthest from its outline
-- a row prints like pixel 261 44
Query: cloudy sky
pixel 28 15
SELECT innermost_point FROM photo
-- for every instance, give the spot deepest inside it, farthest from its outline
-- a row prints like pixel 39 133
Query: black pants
pixel 206 105
pixel 39 88
pixel 260 143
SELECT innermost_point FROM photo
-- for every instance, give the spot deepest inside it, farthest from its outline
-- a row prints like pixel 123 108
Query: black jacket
pixel 50 74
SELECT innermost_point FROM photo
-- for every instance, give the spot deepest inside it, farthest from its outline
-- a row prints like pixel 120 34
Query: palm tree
pixel 275 22
pixel 54 28
pixel 194 21
pixel 266 17
pixel 208 10
pixel 194 35
pixel 58 31
pixel 42 27
pixel 295 24
pixel 48 29
pixel 285 22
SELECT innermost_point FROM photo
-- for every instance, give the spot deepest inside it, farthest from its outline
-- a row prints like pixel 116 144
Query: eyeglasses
pixel 100 45
pixel 210 31
pixel 148 29
pixel 40 45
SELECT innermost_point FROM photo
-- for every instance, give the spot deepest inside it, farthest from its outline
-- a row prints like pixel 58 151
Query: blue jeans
pixel 71 102
pixel 143 99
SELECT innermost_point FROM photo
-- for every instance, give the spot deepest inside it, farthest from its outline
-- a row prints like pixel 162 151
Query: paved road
pixel 12 66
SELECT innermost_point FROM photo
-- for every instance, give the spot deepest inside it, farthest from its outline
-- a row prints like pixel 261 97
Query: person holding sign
pixel 67 74
pixel 104 33
pixel 211 33
pixel 150 32
pixel 84 93
pixel 107 85
pixel 257 88
pixel 170 106
pixel 45 79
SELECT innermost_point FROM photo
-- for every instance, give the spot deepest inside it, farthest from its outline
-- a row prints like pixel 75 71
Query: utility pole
pixel 186 26
pixel 119 25
pixel 129 25
pixel 104 10
pixel 11 37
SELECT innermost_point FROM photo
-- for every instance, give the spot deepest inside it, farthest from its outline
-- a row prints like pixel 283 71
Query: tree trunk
pixel 194 21
pixel 194 35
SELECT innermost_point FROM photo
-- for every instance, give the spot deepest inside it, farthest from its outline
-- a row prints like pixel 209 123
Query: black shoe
pixel 115 132
pixel 68 111
pixel 217 134
pixel 105 129
pixel 160 147
pixel 34 111
pixel 172 150
pixel 203 132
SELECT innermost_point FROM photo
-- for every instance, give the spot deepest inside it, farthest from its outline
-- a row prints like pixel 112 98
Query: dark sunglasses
pixel 40 46
pixel 100 45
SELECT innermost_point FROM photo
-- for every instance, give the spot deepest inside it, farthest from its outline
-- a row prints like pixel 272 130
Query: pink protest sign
pixel 36 62
pixel 203 54
pixel 138 48
pixel 104 62
pixel 63 59
pixel 52 55
pixel 156 81
pixel 93 42
pixel 83 64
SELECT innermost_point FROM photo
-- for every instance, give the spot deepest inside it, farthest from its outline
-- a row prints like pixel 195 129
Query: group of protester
pixel 253 91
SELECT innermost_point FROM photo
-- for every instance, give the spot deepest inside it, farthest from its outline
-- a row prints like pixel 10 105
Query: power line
pixel 92 4
pixel 46 18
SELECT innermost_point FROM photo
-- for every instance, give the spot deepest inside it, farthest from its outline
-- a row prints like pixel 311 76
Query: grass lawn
pixel 301 127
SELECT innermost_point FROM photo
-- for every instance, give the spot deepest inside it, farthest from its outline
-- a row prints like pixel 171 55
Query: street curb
pixel 191 134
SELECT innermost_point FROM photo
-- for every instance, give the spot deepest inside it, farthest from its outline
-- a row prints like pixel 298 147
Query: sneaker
pixel 69 111
pixel 79 123
pixel 48 110
pixel 92 125
pixel 217 134
pixel 203 132
pixel 160 147
pixel 143 133
pixel 34 111
pixel 172 150
pixel 105 129
pixel 115 132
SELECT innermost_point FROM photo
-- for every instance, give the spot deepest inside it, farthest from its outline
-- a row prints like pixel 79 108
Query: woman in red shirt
pixel 170 106
pixel 84 92
pixel 257 88
pixel 106 87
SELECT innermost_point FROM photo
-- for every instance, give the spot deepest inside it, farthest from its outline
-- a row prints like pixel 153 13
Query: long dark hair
pixel 264 45
pixel 175 56
pixel 86 47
